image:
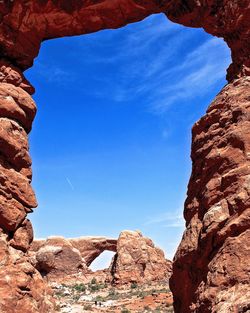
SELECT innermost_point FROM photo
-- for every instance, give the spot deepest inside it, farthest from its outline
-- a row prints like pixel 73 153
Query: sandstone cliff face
pixel 138 260
pixel 21 286
pixel 211 266
pixel 217 206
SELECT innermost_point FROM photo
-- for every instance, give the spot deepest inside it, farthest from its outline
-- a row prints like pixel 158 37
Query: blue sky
pixel 111 141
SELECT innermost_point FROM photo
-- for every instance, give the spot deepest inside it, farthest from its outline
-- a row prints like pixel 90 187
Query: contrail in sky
pixel 69 182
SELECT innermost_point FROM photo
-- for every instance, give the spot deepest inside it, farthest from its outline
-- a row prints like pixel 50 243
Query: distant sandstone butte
pixel 211 266
pixel 136 259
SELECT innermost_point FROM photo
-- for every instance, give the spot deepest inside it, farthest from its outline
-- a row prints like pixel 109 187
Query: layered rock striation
pixel 217 207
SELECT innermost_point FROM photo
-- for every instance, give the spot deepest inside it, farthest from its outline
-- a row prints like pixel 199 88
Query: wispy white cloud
pixel 193 77
pixel 168 219
pixel 54 74
pixel 155 61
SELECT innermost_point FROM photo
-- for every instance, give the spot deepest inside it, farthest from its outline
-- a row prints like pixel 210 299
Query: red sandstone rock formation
pixel 138 260
pixel 91 247
pixel 21 286
pixel 60 259
pixel 211 266
pixel 218 197
pixel 55 258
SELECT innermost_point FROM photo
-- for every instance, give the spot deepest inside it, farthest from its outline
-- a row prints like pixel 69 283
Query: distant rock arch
pixel 136 258
pixel 58 257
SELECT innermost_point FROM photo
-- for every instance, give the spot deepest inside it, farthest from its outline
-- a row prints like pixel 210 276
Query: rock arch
pixel 58 257
pixel 91 247
pixel 136 258
pixel 206 266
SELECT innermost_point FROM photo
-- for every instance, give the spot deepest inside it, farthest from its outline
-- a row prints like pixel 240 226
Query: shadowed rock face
pixel 217 206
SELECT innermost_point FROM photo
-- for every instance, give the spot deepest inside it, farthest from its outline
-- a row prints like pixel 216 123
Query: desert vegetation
pixel 98 296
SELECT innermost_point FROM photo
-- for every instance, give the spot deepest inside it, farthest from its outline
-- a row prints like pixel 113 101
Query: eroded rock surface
pixel 60 259
pixel 211 267
pixel 22 288
pixel 138 260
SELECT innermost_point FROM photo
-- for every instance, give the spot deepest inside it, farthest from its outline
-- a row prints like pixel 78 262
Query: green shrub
pixel 94 281
pixel 76 297
pixel 158 310
pixel 99 299
pixel 94 288
pixel 113 295
pixel 133 285
pixel 80 287
pixel 103 286
pixel 112 292
pixel 87 307
pixel 142 294
pixel 125 310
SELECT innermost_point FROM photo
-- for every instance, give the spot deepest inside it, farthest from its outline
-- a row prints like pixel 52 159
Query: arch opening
pixel 102 261
pixel 210 198
pixel 144 123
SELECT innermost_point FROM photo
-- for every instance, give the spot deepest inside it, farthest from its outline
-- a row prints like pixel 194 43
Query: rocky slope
pixel 217 206
pixel 67 260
